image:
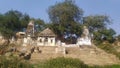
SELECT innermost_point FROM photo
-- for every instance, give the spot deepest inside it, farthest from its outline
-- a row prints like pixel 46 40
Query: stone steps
pixel 89 55
pixel 92 56
pixel 47 49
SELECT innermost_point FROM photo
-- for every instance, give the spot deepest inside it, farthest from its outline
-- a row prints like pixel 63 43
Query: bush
pixel 13 62
pixel 112 66
pixel 62 62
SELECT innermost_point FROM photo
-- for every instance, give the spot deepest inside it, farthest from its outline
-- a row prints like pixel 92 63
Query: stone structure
pixel 30 29
pixel 46 38
pixel 60 49
pixel 20 35
pixel 85 38
pixel 27 41
pixel 19 38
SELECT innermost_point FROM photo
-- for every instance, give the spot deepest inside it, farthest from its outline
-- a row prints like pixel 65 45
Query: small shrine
pixel 46 38
pixel 29 34
pixel 30 29
pixel 85 38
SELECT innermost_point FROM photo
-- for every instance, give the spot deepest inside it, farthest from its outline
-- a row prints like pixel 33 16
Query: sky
pixel 39 8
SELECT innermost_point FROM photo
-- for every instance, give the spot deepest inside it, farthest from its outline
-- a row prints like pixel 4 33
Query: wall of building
pixel 43 41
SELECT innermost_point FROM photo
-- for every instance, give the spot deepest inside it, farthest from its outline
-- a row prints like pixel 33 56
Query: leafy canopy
pixel 66 18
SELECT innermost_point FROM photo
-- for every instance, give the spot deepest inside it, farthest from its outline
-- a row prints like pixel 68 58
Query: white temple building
pixel 46 38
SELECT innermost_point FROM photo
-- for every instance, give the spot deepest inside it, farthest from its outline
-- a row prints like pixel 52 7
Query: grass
pixel 13 62
pixel 60 62
pixel 109 48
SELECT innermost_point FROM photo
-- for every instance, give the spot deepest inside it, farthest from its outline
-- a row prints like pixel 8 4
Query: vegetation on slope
pixel 62 62
pixel 13 62
pixel 109 48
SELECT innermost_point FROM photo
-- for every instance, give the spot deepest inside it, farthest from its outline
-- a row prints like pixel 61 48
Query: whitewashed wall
pixel 42 41
pixel 84 41
pixel 50 42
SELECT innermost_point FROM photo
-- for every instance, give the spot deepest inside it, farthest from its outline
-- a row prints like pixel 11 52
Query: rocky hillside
pixel 89 55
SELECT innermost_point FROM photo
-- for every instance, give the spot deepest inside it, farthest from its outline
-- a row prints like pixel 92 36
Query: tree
pixel 14 21
pixel 66 17
pixel 96 22
pixel 11 22
pixel 104 34
pixel 65 12
pixel 24 20
pixel 39 24
pixel 97 25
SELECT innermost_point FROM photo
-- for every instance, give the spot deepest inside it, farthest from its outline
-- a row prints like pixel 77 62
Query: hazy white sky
pixel 38 8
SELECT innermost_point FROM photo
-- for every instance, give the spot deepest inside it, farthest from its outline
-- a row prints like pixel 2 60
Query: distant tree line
pixel 14 21
pixel 67 21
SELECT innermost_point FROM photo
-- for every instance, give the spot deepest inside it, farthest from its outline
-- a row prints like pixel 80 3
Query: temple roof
pixel 47 32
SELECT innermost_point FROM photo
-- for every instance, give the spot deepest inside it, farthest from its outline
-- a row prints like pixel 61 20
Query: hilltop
pixel 90 55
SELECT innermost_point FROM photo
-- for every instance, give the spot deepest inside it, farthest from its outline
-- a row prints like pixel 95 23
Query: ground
pixel 89 55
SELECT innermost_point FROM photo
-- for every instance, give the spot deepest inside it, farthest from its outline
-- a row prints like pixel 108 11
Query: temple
pixel 85 38
pixel 46 38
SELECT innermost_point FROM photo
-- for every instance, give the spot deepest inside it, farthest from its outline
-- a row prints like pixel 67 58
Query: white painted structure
pixel 46 38
pixel 27 41
pixel 46 41
pixel 85 39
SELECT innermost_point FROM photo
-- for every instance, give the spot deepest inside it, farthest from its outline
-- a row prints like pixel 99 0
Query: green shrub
pixel 112 66
pixel 13 62
pixel 62 62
